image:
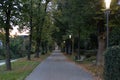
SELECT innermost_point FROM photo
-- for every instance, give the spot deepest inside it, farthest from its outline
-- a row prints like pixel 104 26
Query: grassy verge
pixel 87 65
pixel 20 68
pixel 97 71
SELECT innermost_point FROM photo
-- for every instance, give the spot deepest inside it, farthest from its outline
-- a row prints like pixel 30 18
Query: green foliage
pixel 91 58
pixel 114 36
pixel 61 21
pixel 2 35
pixel 47 32
pixel 2 48
pixel 9 16
pixel 74 17
pixel 2 53
pixel 18 47
pixel 12 8
pixel 112 63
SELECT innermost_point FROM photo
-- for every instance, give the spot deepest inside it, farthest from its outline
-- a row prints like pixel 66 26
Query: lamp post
pixel 64 46
pixel 70 45
pixel 107 11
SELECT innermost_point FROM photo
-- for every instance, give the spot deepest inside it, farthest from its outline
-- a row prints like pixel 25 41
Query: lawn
pixel 20 68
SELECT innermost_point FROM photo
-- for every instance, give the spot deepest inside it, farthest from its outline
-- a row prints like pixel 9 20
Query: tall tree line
pixel 33 14
pixel 9 16
pixel 88 17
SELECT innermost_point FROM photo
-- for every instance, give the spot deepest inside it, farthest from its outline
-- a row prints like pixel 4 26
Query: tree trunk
pixel 101 42
pixel 39 30
pixel 37 50
pixel 46 47
pixel 8 63
pixel 79 44
pixel 30 45
pixel 43 47
pixel 73 46
pixel 30 38
pixel 101 49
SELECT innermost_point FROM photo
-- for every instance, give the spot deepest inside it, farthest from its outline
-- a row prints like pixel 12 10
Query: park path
pixel 57 67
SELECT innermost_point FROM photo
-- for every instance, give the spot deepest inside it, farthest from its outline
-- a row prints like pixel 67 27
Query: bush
pixel 18 47
pixel 92 58
pixel 2 53
pixel 89 53
pixel 112 63
pixel 114 36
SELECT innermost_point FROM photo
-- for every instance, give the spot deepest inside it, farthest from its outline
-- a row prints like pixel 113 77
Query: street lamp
pixel 70 36
pixel 70 45
pixel 107 11
pixel 107 4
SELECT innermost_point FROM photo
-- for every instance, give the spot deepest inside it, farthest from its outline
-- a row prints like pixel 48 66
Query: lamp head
pixel 70 36
pixel 107 4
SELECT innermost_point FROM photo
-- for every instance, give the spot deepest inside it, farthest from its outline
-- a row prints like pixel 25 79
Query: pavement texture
pixel 57 67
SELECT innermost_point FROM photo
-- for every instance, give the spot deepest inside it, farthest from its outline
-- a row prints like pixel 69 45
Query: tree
pixel 9 16
pixel 77 22
pixel 47 32
pixel 100 20
pixel 27 17
pixel 39 23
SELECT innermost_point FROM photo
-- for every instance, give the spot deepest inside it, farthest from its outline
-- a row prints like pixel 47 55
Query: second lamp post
pixel 107 12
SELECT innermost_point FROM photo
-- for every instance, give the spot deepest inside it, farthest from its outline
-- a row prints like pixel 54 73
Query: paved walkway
pixel 56 67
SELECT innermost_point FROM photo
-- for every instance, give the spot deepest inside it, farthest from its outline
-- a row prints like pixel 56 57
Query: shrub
pixel 18 47
pixel 2 53
pixel 112 63
pixel 92 58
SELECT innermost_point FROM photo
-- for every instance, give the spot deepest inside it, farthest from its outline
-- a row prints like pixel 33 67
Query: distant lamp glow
pixel 70 36
pixel 107 4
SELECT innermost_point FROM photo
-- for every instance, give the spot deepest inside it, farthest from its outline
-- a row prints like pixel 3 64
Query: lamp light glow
pixel 107 3
pixel 70 36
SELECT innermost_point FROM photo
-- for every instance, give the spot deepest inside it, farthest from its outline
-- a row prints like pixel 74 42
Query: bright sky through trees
pixel 15 31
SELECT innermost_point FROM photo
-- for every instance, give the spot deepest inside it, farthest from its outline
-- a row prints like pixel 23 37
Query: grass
pixel 87 65
pixel 97 71
pixel 20 68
